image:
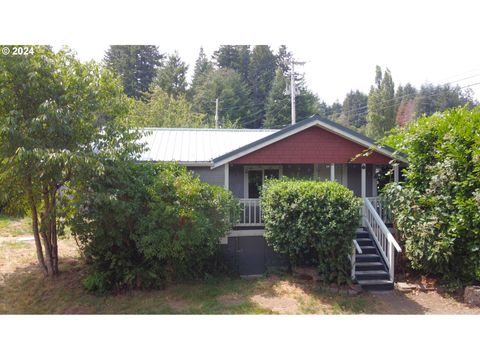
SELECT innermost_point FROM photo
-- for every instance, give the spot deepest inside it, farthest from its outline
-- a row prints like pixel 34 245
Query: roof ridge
pixel 208 129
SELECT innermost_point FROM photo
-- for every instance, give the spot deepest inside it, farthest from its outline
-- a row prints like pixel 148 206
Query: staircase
pixel 371 272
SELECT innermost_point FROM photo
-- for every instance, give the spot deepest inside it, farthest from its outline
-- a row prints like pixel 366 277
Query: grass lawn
pixel 24 290
pixel 12 227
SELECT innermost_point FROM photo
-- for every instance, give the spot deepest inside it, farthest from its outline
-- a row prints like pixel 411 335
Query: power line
pixel 387 107
pixel 395 99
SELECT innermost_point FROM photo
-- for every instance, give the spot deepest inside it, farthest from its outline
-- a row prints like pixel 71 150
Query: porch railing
pixel 381 235
pixel 250 213
pixel 379 203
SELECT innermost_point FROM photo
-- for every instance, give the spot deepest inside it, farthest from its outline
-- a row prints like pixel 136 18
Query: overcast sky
pixel 341 41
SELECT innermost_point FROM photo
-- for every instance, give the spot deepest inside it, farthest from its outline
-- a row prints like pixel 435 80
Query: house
pixel 241 159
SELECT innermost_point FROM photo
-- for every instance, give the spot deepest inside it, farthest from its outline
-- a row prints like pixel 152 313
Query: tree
pixel 233 93
pixel 381 105
pixel 135 64
pixel 354 109
pixel 405 104
pixel 49 112
pixel 437 206
pixel 202 67
pixel 172 76
pixel 284 59
pixel 432 98
pixel 278 108
pixel 163 110
pixel 261 75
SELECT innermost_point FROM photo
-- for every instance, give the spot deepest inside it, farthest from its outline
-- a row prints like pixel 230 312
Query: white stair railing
pixel 250 212
pixel 381 235
pixel 379 203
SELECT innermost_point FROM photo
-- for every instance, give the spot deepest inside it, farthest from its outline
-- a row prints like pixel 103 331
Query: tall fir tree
pixel 278 107
pixel 381 105
pixel 135 64
pixel 202 67
pixel 432 98
pixel 172 77
pixel 354 109
pixel 233 95
pixel 261 74
pixel 284 59
pixel 236 57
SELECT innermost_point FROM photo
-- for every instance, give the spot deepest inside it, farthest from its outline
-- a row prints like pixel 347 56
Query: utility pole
pixel 292 90
pixel 216 113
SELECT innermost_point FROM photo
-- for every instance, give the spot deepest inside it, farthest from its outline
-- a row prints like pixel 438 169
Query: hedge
pixel 142 225
pixel 437 206
pixel 312 221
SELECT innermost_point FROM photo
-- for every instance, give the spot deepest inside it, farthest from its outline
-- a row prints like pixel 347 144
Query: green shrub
pixel 140 225
pixel 310 218
pixel 437 207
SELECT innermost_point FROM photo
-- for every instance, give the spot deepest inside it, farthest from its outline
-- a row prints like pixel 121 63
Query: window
pixel 256 178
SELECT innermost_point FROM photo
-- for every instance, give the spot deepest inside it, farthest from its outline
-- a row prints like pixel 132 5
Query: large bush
pixel 140 225
pixel 437 207
pixel 310 218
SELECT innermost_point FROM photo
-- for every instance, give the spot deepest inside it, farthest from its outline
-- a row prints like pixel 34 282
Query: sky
pixel 341 41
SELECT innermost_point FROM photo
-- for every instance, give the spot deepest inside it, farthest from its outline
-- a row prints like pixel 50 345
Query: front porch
pixel 373 250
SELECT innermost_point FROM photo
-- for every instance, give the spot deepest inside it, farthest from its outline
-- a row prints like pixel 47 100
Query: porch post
pixel 364 181
pixel 395 173
pixel 374 181
pixel 332 172
pixel 315 171
pixel 226 176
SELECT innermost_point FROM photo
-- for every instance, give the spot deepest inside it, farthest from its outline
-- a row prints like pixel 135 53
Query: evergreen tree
pixel 354 109
pixel 278 108
pixel 261 74
pixel 236 57
pixel 283 59
pixel 433 98
pixel 202 67
pixel 381 105
pixel 233 95
pixel 172 76
pixel 135 64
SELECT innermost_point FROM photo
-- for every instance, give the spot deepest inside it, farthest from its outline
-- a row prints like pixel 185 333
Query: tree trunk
pixel 45 232
pixel 36 235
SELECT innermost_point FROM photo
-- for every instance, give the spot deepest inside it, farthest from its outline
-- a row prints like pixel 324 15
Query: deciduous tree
pixel 49 109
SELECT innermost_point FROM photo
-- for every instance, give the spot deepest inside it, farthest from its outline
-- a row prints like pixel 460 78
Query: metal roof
pixel 196 146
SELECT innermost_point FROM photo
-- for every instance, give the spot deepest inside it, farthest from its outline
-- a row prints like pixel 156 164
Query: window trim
pixel 247 168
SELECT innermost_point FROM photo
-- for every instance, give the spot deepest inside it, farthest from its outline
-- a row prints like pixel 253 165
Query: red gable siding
pixel 311 146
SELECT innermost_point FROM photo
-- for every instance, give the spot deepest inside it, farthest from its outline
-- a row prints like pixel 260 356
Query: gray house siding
pixel 236 180
pixel 250 255
pixel 212 176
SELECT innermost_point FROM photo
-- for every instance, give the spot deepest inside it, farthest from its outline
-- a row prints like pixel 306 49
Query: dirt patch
pixel 279 304
pixel 283 297
pixel 419 302
pixel 232 299
pixel 176 304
